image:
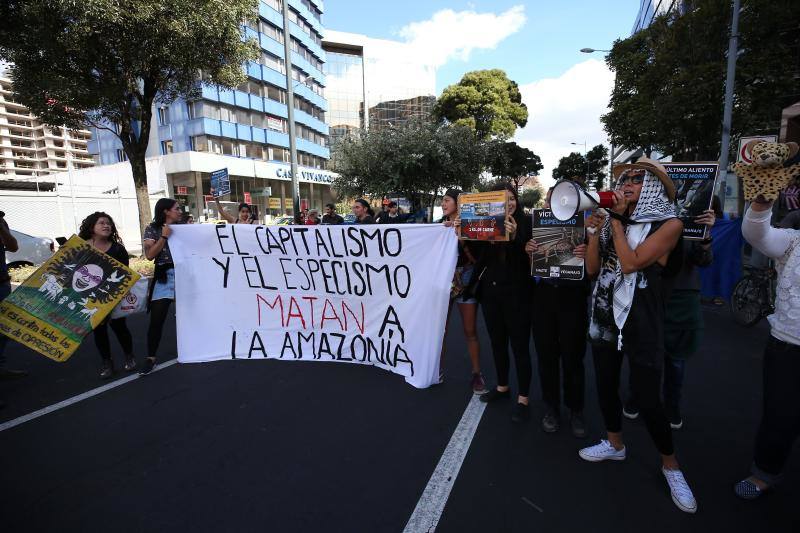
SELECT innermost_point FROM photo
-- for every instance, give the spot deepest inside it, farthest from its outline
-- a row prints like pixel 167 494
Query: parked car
pixel 349 219
pixel 282 221
pixel 32 250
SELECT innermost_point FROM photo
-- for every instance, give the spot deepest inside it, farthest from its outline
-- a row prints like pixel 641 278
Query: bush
pixel 20 274
pixel 143 266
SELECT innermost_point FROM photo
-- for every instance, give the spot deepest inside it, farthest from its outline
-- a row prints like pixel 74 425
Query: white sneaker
pixel 681 493
pixel 602 452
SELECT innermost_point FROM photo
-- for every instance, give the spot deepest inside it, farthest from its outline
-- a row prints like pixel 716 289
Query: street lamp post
pixel 287 63
pixel 585 156
pixel 730 79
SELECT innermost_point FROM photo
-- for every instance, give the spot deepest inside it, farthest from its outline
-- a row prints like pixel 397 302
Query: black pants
pixel 103 343
pixel 158 315
pixel 506 311
pixel 780 418
pixel 560 321
pixel 646 386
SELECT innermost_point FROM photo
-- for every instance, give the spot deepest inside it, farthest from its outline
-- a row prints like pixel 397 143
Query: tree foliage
pixel 512 162
pixel 105 62
pixel 670 77
pixel 486 101
pixel 419 160
pixel 588 170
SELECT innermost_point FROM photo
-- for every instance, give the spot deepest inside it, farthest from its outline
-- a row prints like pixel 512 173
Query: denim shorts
pixel 466 277
pixel 165 290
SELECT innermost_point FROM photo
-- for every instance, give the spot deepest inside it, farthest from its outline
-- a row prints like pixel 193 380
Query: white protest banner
pixel 370 294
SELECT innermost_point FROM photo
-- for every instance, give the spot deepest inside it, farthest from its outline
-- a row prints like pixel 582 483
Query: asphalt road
pixel 300 446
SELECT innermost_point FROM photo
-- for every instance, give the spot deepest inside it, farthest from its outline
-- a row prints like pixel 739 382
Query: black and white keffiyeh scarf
pixel 613 292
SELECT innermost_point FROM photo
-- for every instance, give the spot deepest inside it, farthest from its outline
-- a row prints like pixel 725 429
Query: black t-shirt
pixel 366 220
pixel 118 252
pixel 332 219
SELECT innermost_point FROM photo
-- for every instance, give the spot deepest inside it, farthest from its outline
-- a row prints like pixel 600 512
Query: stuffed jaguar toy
pixel 766 176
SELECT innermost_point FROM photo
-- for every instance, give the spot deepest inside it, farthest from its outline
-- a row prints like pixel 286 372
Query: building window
pixel 166 147
pixel 121 156
pixel 163 116
pixel 190 111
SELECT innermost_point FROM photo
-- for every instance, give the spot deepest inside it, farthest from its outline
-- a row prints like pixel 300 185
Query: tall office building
pixel 29 149
pixel 246 129
pixel 374 83
pixel 650 9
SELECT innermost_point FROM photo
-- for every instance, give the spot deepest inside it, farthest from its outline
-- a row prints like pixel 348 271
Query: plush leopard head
pixel 770 155
pixel 766 176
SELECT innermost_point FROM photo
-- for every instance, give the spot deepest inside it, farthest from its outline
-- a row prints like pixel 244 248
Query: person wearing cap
pixel 467 304
pixel 363 212
pixel 627 254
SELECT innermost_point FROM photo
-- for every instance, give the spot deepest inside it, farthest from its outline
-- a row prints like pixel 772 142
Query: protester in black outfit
pixel 330 216
pixel 99 230
pixel 628 255
pixel 363 212
pixel 559 314
pixel 503 286
pixel 162 288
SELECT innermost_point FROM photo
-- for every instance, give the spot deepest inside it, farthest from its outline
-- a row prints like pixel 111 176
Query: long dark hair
pixel 87 227
pixel 163 204
pixel 365 203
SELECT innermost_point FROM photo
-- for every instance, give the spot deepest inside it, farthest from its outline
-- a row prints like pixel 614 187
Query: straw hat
pixel 651 165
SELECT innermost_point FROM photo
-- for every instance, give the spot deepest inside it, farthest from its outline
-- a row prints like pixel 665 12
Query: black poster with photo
pixel 695 184
pixel 557 239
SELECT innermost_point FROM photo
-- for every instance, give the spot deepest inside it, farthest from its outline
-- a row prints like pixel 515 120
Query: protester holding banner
pixel 502 285
pixel 7 243
pixel 780 419
pixel 313 218
pixel 330 216
pixel 99 230
pixel 363 212
pixel 162 288
pixel 467 304
pixel 683 322
pixel 628 254
pixel 245 215
pixel 558 312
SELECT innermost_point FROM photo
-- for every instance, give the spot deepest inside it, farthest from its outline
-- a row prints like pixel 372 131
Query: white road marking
pixel 80 397
pixel 431 504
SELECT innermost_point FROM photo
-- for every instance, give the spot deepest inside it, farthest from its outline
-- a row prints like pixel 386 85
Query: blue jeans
pixel 673 381
pixel 5 290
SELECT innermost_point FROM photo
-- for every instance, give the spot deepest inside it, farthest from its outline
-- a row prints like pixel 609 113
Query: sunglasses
pixel 634 177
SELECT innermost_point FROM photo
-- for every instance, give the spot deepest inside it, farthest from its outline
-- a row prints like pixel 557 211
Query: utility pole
pixel 287 63
pixel 725 147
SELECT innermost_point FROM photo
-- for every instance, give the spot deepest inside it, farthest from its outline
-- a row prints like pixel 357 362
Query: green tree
pixel 670 77
pixel 571 167
pixel 597 159
pixel 588 170
pixel 532 197
pixel 486 101
pixel 418 160
pixel 512 162
pixel 107 62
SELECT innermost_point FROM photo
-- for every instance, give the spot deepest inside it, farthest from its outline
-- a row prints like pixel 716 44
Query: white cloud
pixel 564 110
pixel 456 34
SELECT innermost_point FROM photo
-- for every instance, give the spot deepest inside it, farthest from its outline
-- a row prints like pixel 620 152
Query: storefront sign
pixel 274 203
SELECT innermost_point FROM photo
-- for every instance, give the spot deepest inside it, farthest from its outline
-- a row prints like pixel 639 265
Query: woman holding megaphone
pixel 627 252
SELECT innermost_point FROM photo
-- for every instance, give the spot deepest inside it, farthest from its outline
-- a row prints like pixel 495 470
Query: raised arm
pixel 224 214
pixel 757 230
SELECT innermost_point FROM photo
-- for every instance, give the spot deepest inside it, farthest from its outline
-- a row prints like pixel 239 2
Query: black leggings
pixel 122 332
pixel 506 311
pixel 646 385
pixel 158 315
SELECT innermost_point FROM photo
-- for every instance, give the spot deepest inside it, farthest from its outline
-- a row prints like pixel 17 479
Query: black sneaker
pixel 495 394
pixel 130 363
pixel 520 413
pixel 631 410
pixel 550 422
pixel 7 373
pixel 148 366
pixel 577 424
pixel 675 418
pixel 107 370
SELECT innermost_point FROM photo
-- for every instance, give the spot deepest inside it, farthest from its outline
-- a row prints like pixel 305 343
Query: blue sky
pixel 546 46
pixel 537 43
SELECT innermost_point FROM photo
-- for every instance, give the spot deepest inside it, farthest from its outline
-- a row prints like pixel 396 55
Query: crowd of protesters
pixel 640 302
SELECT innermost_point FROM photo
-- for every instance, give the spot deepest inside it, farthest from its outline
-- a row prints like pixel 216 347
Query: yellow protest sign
pixel 63 301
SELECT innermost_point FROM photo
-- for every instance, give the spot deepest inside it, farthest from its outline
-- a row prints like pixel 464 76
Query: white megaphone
pixel 568 199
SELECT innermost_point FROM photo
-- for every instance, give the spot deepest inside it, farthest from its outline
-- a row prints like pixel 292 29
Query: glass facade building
pixel 650 9
pixel 249 122
pixel 374 83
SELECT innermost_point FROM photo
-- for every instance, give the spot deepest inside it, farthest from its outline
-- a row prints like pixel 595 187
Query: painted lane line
pixel 431 504
pixel 80 397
